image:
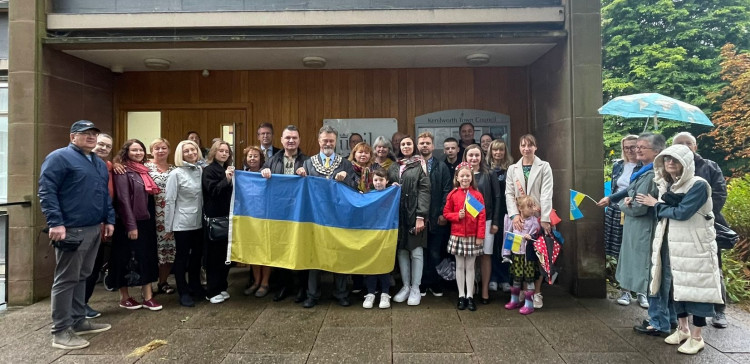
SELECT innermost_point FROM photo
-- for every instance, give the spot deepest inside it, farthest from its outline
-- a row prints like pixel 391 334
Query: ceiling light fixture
pixel 156 64
pixel 477 59
pixel 314 62
pixel 117 68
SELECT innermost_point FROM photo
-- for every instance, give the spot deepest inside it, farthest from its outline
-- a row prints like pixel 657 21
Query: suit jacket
pixel 345 166
pixel 274 150
pixel 539 185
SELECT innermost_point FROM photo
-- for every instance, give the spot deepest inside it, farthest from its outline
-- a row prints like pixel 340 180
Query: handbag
pixel 725 236
pixel 218 228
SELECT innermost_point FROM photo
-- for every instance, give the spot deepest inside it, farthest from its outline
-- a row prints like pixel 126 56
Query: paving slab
pixel 511 344
pixel 582 335
pixel 613 314
pixel 235 313
pixel 136 330
pixel 32 347
pixel 19 323
pixel 352 345
pixel 195 346
pixel 245 358
pixel 733 339
pixel 356 316
pixel 73 358
pixel 493 315
pixel 657 351
pixel 282 331
pixel 434 358
pixel 740 358
pixel 609 358
pixel 428 331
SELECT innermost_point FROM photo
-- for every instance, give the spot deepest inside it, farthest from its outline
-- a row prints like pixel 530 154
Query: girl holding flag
pixel 464 208
pixel 523 270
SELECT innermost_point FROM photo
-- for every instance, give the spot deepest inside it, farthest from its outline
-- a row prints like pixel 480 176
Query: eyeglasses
pixel 90 133
pixel 669 159
pixel 641 148
pixel 105 145
pixel 629 148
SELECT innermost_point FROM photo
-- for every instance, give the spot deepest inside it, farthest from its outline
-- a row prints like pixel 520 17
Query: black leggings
pixel 189 250
pixel 698 321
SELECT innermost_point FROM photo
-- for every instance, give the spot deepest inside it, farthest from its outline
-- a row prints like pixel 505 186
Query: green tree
pixel 671 47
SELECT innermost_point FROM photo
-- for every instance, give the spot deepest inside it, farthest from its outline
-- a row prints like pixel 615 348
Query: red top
pixel 469 225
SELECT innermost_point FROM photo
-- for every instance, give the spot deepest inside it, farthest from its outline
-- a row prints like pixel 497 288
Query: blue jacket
pixel 73 190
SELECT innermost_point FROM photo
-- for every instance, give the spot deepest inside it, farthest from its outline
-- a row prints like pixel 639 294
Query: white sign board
pixel 444 124
pixel 369 129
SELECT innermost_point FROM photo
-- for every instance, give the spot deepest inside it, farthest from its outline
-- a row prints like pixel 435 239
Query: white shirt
pixel 624 181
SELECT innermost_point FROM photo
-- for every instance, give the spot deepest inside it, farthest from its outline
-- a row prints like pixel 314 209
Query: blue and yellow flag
pixel 512 243
pixel 312 223
pixel 575 199
pixel 472 205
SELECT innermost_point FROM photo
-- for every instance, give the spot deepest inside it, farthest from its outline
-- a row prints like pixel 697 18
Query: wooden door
pixel 210 124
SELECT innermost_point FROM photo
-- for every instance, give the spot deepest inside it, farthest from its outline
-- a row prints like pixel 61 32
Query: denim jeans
pixel 660 306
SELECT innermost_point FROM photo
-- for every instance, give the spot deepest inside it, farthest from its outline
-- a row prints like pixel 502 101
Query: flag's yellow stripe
pixel 471 210
pixel 298 245
pixel 578 198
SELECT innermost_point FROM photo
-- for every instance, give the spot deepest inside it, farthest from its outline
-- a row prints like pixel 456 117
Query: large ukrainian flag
pixel 312 223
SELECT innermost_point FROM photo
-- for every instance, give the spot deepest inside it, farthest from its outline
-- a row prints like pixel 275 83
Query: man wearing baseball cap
pixel 75 201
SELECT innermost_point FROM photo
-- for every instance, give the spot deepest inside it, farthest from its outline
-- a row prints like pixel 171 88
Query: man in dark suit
pixel 265 137
pixel 287 162
pixel 329 165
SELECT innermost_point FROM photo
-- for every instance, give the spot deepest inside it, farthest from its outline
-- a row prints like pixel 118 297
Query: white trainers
pixel 224 294
pixel 642 300
pixel 538 303
pixel 369 300
pixel 385 300
pixel 216 299
pixel 402 294
pixel 624 298
pixel 692 346
pixel 493 286
pixel 415 297
pixel 677 337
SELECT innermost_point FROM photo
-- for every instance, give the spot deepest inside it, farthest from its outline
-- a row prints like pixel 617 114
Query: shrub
pixel 737 208
pixel 736 276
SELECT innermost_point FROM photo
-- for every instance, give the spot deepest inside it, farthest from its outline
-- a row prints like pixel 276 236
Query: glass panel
pixel 144 126
pixel 227 134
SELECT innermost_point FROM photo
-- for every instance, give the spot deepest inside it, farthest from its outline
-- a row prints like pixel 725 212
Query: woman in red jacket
pixel 467 232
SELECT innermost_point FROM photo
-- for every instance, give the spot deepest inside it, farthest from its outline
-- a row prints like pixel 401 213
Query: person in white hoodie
pixel 685 243
pixel 183 218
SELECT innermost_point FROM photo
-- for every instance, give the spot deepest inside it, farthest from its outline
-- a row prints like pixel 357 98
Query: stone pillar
pixel 566 91
pixel 26 24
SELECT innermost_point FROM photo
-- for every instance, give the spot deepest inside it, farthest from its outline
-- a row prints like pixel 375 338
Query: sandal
pixel 262 291
pixel 165 288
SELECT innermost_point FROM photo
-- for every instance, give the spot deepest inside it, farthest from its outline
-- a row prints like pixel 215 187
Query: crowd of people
pixel 162 219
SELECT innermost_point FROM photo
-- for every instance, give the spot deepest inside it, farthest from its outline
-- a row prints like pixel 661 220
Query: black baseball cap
pixel 83 125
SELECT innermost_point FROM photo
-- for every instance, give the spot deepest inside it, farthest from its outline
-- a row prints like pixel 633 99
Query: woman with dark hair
pixel 182 219
pixel 217 198
pixel 361 158
pixel 410 172
pixel 134 262
pixel 490 189
pixel 530 176
pixel 254 159
pixel 484 141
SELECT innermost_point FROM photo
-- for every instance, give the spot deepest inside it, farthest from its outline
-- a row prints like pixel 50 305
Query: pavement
pixel 257 330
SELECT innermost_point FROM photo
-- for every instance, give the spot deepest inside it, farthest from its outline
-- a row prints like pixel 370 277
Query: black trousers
pixel 216 269
pixel 189 250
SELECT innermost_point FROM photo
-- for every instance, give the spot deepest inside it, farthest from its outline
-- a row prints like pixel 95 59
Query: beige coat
pixel 539 185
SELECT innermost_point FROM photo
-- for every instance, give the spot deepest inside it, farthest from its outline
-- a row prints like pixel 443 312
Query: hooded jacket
pixel 688 228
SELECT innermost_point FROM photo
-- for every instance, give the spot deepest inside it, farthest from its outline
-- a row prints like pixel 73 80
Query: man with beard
pixel 437 229
pixel 286 163
pixel 265 137
pixel 327 164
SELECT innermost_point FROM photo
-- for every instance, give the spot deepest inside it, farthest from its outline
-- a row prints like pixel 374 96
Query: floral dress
pixel 165 247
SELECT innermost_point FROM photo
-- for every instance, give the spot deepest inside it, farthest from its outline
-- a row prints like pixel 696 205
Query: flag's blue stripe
pixel 316 200
pixel 475 203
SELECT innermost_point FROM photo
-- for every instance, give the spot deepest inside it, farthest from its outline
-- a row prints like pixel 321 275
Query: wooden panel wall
pixel 306 97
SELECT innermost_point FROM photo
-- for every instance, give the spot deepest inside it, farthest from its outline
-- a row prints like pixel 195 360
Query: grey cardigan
pixel 184 200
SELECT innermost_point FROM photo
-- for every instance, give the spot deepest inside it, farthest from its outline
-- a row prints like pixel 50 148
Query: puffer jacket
pixel 415 201
pixel 690 235
pixel 469 225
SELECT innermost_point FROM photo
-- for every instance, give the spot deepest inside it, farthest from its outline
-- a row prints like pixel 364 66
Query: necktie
pixel 328 162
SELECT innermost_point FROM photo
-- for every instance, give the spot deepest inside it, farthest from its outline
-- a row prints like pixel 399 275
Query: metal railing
pixel 4 229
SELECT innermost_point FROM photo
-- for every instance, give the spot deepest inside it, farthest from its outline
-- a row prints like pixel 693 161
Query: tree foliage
pixel 671 47
pixel 732 132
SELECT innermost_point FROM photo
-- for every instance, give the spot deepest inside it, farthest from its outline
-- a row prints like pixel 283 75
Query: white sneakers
pixel 677 337
pixel 692 346
pixel 642 300
pixel 402 294
pixel 216 299
pixel 538 302
pixel 625 298
pixel 224 294
pixel 369 300
pixel 493 286
pixel 415 297
pixel 385 300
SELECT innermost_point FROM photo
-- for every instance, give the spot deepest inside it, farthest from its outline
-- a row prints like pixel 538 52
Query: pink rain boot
pixel 528 308
pixel 514 292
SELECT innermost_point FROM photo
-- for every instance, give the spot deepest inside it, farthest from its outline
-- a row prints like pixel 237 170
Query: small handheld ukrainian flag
pixel 472 205
pixel 575 199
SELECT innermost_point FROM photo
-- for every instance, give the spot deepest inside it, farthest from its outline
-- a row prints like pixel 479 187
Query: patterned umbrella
pixel 547 249
pixel 654 105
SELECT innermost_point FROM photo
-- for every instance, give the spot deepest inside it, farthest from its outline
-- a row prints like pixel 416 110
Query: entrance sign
pixel 444 124
pixel 370 129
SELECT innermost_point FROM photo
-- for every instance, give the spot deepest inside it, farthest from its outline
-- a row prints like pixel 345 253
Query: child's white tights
pixel 465 275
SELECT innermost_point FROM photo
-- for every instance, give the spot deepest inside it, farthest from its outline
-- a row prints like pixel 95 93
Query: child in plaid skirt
pixel 467 233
